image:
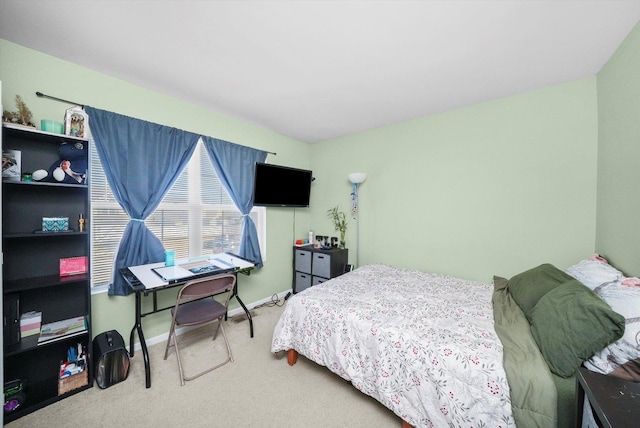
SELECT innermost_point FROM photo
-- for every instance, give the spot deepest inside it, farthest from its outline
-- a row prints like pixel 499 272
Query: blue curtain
pixel 141 161
pixel 235 166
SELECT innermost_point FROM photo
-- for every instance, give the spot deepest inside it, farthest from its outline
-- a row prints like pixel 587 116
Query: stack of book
pixel 62 329
pixel 30 323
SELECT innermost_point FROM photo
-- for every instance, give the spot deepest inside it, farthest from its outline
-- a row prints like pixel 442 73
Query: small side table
pixel 615 402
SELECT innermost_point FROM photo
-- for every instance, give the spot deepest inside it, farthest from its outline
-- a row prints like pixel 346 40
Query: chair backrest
pixel 209 286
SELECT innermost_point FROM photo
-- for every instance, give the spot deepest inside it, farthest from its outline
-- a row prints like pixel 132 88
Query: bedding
pixel 528 287
pixel 534 398
pixel 422 344
pixel 443 351
pixel 571 323
pixel 528 372
pixel 622 357
pixel 594 271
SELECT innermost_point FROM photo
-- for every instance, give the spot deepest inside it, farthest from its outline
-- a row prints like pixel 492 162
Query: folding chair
pixel 195 306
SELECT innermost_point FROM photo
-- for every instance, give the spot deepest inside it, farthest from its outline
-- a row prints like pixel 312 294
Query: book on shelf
pixel 62 329
pixel 73 265
pixel 30 323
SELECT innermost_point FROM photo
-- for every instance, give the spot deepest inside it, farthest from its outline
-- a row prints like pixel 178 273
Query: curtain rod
pixel 40 94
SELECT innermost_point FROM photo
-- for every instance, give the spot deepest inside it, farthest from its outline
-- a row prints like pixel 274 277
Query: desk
pixel 144 281
pixel 614 401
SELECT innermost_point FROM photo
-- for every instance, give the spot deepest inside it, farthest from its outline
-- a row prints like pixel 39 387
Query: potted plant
pixel 339 222
pixel 22 117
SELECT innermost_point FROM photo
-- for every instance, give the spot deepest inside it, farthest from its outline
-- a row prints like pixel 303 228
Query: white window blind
pixel 196 217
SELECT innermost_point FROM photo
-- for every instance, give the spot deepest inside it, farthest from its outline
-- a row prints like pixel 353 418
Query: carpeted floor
pixel 259 389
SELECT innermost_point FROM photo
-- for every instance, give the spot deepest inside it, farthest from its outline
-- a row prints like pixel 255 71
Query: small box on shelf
pixel 73 371
pixel 69 383
pixel 55 224
pixel 73 265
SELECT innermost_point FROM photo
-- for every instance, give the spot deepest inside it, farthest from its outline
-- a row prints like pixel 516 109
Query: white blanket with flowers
pixel 422 344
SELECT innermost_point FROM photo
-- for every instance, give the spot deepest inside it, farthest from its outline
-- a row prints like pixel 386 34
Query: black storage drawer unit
pixel 313 266
pixel 302 281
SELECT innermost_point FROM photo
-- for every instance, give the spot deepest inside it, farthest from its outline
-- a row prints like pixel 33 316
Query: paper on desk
pixel 147 276
pixel 226 261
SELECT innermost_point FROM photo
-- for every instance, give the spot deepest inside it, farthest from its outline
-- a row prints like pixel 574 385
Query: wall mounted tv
pixel 281 186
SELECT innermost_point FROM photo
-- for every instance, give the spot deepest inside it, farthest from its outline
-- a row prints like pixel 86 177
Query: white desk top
pixel 150 279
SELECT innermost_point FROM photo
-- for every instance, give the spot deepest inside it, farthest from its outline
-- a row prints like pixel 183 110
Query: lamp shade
pixel 357 177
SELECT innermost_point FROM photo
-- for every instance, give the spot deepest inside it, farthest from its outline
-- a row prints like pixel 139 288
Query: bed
pixel 439 350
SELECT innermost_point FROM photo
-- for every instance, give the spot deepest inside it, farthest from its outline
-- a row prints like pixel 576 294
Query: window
pixel 196 217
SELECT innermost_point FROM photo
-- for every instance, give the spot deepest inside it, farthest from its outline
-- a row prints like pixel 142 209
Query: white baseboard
pixel 162 338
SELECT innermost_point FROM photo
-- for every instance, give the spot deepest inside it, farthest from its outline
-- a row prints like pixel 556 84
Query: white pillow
pixel 594 271
pixel 622 357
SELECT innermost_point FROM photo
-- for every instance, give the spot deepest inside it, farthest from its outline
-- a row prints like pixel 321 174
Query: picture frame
pixel 75 122
pixel 11 165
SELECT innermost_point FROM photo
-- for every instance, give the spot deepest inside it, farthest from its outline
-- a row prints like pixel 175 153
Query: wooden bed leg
pixel 292 356
pixel 406 425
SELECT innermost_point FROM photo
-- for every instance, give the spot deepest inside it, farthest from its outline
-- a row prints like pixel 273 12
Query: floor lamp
pixel 356 179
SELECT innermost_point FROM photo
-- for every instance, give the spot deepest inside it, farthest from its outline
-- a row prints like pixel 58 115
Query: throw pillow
pixel 528 287
pixel 571 323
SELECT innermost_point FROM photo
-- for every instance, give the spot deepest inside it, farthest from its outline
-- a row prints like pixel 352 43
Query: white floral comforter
pixel 422 344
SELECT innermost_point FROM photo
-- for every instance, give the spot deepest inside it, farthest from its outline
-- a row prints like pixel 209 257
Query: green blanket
pixel 534 397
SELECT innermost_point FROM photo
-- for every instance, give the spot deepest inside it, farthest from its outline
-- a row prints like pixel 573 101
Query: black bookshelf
pixel 31 273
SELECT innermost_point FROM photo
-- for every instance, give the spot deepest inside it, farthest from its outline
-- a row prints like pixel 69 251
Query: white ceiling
pixel 314 70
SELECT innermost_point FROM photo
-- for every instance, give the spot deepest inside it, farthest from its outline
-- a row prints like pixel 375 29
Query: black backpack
pixel 110 359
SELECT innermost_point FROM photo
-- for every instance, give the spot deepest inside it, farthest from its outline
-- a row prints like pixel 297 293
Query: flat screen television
pixel 281 186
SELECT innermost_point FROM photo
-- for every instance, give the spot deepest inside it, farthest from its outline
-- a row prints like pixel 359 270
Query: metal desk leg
pixel 246 311
pixel 131 348
pixel 145 352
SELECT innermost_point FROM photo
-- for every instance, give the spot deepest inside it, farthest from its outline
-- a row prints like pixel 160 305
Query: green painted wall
pixel 25 71
pixel 494 188
pixel 618 214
